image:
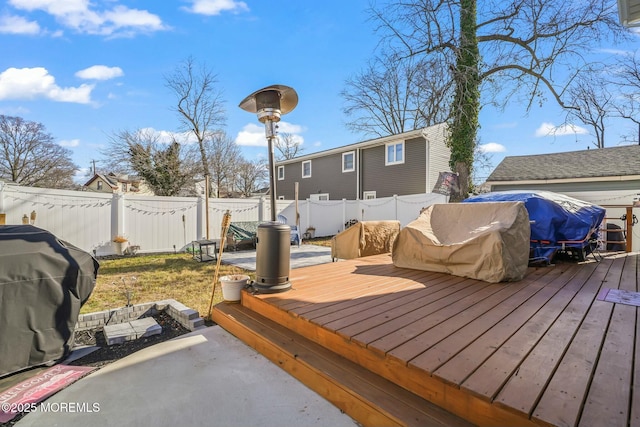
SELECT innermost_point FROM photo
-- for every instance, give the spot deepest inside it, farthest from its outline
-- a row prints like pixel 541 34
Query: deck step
pixel 366 397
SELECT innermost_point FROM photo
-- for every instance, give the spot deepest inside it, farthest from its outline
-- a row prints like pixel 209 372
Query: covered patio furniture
pixel 484 241
pixel 559 223
pixel 242 233
pixel 44 282
pixel 364 238
pixel 295 232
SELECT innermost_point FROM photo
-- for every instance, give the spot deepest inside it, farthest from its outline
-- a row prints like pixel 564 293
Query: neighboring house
pixel 604 169
pixel 112 183
pixel 407 163
pixel 261 192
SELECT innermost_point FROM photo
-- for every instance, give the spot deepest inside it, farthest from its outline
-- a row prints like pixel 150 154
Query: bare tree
pixel 628 81
pixel 594 102
pixel 200 104
pixel 30 157
pixel 500 49
pixel 169 169
pixel 394 95
pixel 288 146
pixel 251 176
pixel 224 157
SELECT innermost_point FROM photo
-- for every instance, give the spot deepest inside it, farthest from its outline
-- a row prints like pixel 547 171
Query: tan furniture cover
pixel 365 238
pixel 485 241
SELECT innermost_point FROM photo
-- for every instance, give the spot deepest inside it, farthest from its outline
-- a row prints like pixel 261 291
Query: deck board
pixel 399 316
pixel 571 379
pixel 359 320
pixel 488 378
pixel 503 301
pixel 609 394
pixel 523 389
pixel 539 351
pixel 468 354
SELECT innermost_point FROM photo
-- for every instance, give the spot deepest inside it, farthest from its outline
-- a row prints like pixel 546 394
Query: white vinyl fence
pixel 616 203
pixel 91 220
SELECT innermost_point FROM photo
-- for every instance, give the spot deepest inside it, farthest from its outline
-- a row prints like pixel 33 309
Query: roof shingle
pixel 613 161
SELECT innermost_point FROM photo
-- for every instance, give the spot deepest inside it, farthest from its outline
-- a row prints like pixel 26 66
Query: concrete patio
pixel 302 256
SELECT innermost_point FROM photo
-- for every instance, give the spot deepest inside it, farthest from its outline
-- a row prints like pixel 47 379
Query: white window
pixel 348 161
pixel 319 196
pixel 306 169
pixel 280 173
pixel 99 185
pixel 395 153
pixel 368 195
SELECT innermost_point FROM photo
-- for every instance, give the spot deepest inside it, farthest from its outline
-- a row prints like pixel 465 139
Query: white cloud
pixel 32 83
pixel 492 147
pixel 82 175
pixel 100 72
pixel 286 127
pixel 549 129
pixel 10 24
pixel 69 143
pixel 216 7
pixel 79 16
pixel 167 137
pixel 254 134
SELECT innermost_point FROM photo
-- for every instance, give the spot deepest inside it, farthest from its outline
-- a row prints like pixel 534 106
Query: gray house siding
pixel 425 154
pixel 397 179
pixel 326 177
pixel 438 158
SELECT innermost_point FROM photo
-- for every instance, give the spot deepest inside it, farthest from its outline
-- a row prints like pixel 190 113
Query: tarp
pixel 43 283
pixel 484 241
pixel 554 217
pixel 365 238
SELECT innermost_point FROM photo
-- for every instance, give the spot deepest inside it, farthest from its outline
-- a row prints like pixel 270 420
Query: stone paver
pixel 121 332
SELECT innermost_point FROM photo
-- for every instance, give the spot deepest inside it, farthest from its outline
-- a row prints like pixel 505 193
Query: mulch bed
pixel 171 328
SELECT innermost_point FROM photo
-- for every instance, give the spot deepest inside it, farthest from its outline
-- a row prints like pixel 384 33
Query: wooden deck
pixel 542 351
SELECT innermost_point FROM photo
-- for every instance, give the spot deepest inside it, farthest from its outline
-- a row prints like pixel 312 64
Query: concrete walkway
pixel 205 378
pixel 302 256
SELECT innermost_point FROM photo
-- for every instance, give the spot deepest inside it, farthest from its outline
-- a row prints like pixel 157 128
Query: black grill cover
pixel 43 283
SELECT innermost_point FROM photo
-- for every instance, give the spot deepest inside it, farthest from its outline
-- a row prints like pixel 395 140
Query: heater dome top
pixel 269 97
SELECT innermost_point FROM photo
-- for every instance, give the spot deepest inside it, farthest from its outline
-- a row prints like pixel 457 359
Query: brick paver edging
pixel 187 317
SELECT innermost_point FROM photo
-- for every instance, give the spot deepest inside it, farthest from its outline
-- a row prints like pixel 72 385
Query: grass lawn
pixel 149 278
pixel 155 277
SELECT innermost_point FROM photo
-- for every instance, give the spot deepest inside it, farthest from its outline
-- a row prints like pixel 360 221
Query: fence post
pixel 117 215
pixel 2 185
pixel 344 213
pixel 629 215
pixel 395 202
pixel 3 214
pixel 200 217
pixel 261 209
pixel 308 215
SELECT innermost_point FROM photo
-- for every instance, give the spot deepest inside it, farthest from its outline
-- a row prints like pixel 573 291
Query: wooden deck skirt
pixel 544 350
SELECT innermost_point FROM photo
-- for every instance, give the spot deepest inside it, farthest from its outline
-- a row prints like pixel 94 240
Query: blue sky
pixel 89 69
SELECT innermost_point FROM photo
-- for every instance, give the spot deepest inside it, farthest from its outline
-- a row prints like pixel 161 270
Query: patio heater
pixel 273 245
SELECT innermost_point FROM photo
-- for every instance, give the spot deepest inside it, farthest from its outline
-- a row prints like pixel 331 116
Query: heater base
pixel 263 288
